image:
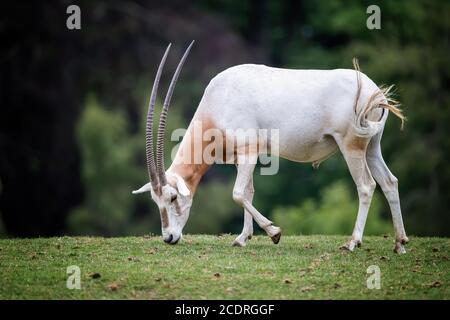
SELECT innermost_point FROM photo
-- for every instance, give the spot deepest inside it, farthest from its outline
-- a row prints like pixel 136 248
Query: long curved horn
pixel 152 173
pixel 162 121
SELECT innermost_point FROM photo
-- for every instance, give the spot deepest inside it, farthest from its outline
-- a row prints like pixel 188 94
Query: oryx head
pixel 168 190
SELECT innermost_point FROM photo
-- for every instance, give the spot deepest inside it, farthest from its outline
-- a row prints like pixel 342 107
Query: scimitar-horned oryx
pixel 317 113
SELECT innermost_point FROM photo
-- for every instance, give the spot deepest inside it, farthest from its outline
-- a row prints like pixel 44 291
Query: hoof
pixel 274 233
pixel 399 245
pixel 241 240
pixel 399 248
pixel 276 238
pixel 404 240
pixel 346 247
pixel 237 243
pixel 350 245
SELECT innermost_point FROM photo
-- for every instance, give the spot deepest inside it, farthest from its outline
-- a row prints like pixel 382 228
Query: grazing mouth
pixel 170 240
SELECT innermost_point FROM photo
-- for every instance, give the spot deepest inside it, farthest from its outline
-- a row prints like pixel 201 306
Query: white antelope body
pixel 316 112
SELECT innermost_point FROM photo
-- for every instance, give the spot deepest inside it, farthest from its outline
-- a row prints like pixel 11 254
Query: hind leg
pixel 389 184
pixel 354 151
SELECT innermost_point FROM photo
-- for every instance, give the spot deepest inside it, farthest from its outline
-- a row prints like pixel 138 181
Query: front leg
pixel 247 231
pixel 244 176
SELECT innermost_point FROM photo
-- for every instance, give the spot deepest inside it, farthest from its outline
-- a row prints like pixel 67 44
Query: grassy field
pixel 208 267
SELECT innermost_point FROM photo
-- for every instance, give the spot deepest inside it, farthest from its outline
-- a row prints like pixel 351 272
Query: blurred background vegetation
pixel 73 107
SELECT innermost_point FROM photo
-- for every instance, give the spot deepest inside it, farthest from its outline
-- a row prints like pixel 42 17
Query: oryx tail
pixel 381 98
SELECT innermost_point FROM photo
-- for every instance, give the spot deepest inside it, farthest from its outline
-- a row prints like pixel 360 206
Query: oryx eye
pixel 174 197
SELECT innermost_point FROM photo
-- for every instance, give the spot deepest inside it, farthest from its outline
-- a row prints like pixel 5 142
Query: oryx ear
pixel 145 188
pixel 181 186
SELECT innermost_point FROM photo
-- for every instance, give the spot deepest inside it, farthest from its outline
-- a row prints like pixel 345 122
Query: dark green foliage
pixel 332 213
pixel 410 51
pixel 74 105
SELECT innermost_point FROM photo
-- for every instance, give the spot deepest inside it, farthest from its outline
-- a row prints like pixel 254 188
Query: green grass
pixel 208 267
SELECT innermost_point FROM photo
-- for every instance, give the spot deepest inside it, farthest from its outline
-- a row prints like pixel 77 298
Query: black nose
pixel 169 239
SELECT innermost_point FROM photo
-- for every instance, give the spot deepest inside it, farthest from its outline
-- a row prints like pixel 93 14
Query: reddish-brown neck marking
pixel 186 163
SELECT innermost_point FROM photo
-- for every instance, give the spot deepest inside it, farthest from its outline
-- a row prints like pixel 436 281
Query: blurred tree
pixel 333 213
pixel 40 92
pixel 212 209
pixel 107 151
